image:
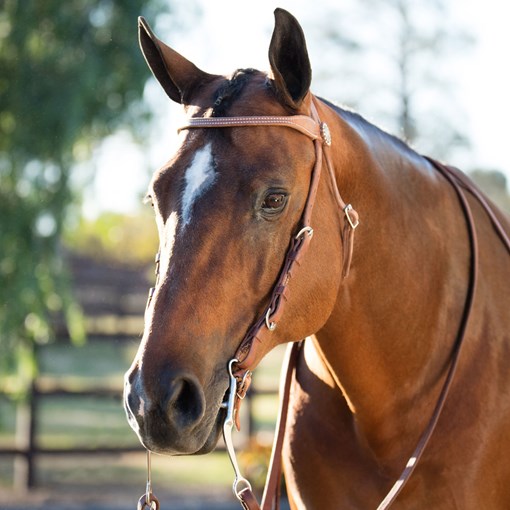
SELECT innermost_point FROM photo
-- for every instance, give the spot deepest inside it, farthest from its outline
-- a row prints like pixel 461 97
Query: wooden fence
pixel 113 299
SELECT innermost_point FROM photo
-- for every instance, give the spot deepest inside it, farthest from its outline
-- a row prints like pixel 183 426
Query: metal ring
pixel 153 504
pixel 235 486
pixel 231 363
pixel 270 325
pixel 347 209
pixel 241 386
pixel 308 230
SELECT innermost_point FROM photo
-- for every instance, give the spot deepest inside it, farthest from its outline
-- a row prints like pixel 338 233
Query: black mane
pixel 356 118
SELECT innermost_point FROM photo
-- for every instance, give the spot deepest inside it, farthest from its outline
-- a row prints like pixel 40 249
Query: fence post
pixel 24 463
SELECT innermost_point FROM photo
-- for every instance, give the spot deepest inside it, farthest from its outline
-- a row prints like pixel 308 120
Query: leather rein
pixel 248 353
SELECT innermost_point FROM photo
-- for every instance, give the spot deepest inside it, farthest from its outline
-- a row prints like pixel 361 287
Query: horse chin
pixel 212 439
pixel 168 442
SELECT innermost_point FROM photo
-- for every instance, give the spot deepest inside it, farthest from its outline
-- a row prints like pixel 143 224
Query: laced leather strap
pixel 248 351
pixel 319 133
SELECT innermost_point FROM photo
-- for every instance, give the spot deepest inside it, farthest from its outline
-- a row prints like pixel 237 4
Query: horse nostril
pixel 186 402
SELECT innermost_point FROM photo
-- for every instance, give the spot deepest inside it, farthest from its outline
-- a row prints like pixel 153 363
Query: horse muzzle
pixel 172 417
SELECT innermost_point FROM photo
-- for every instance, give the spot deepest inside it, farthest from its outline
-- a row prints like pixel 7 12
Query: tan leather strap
pixel 458 180
pixel 301 123
pixel 248 352
pixel 465 182
pixel 271 496
pixel 248 499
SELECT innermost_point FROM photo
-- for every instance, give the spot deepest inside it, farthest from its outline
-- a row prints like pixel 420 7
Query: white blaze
pixel 199 177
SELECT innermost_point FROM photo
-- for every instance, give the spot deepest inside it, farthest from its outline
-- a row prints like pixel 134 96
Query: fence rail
pixel 113 301
pixel 25 467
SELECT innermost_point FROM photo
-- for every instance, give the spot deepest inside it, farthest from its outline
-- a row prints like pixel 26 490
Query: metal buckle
pixel 347 209
pixel 270 325
pixel 240 483
pixel 308 230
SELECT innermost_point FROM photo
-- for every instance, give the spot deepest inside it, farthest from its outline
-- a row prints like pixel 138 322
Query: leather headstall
pixel 248 353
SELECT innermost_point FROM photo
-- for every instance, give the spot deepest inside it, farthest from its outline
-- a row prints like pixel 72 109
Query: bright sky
pixel 233 34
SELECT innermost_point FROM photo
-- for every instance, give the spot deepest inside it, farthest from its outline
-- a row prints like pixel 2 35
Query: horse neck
pixel 389 338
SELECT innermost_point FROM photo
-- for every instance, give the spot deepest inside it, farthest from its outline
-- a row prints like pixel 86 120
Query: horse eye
pixel 274 202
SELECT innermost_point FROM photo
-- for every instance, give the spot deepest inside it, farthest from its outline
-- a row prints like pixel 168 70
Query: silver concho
pixel 325 134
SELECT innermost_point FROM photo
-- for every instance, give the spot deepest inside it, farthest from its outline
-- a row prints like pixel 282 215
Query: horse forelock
pixel 230 90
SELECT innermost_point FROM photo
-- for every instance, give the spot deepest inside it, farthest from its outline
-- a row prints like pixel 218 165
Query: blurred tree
pixel 494 184
pixel 127 239
pixel 70 73
pixel 397 66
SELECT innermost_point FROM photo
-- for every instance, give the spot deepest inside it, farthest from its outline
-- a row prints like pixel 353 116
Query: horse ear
pixel 288 56
pixel 177 75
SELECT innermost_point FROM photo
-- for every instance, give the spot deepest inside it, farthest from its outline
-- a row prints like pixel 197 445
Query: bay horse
pixel 380 329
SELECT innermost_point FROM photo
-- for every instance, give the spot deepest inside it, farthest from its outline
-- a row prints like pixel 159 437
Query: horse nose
pixel 185 401
pixel 166 407
pixel 133 397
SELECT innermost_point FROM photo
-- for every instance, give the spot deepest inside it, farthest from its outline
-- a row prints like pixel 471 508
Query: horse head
pixel 226 205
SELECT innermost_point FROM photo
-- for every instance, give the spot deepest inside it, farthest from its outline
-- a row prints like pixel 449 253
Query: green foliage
pixel 70 73
pixel 115 237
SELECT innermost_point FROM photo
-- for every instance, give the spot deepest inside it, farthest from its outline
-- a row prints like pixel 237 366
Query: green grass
pixel 115 472
pixel 107 360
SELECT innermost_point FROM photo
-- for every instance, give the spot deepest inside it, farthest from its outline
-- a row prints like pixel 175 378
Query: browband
pixel 301 123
